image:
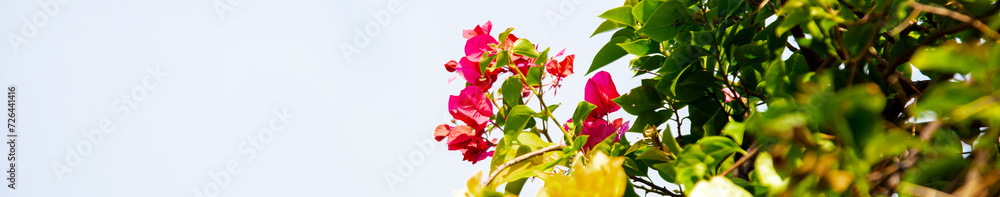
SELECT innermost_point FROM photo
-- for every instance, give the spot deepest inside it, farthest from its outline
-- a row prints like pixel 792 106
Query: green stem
pixel 545 108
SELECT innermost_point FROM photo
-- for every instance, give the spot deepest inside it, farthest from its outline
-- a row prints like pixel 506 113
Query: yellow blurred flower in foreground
pixel 603 177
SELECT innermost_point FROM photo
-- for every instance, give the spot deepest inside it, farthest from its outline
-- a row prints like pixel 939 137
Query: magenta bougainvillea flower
pixel 730 95
pixel 476 46
pixel 598 130
pixel 471 72
pixel 471 106
pixel 478 30
pixel 465 139
pixel 622 130
pixel 599 91
pixel 475 150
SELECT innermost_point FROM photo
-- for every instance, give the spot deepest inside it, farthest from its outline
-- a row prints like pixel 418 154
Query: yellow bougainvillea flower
pixel 603 177
pixel 477 190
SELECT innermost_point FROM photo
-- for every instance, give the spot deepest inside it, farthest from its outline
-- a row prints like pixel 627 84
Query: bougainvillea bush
pixel 782 98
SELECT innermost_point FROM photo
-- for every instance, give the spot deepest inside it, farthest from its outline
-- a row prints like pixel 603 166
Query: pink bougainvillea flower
pixel 442 131
pixel 599 91
pixel 466 140
pixel 476 150
pixel 598 130
pixel 622 130
pixel 510 41
pixel 456 135
pixel 460 136
pixel 470 71
pixel 471 106
pixel 478 30
pixel 561 69
pixel 476 46
pixel 730 95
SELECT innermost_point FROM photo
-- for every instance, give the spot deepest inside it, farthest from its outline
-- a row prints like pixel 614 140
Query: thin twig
pixel 521 158
pixel 752 150
pixel 957 16
pixel 653 187
pixel 647 71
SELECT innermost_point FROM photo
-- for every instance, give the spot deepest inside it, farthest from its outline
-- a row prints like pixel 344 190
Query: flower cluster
pixel 480 67
pixel 600 91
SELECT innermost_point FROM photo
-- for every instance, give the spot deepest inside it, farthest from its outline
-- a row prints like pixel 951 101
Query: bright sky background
pixel 222 76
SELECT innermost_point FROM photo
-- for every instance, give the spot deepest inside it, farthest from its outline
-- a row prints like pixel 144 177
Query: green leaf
pixel 640 100
pixel 621 15
pixel 485 64
pixel 542 57
pixel 636 47
pixel 719 147
pixel 654 155
pixel 670 141
pixel 503 36
pixel 753 53
pixel 512 146
pixel 950 57
pixel 669 18
pixel 582 111
pixel 542 115
pixel 606 26
pixel 650 63
pixel 517 119
pixel 857 37
pixel 644 9
pixel 516 142
pixel 734 130
pixel 535 75
pixel 689 87
pixel 776 82
pixel 706 37
pixel 502 59
pixel 795 17
pixel 514 187
pixel 511 91
pixel 766 173
pixel 578 143
pixel 524 47
pixel 649 118
pixel 609 53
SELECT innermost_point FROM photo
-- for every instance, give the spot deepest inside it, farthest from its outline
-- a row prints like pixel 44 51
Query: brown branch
pixel 752 150
pixel 521 158
pixel 957 16
pixel 906 55
pixel 653 187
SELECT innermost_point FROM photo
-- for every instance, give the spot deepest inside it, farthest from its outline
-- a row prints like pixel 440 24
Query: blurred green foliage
pixel 810 97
